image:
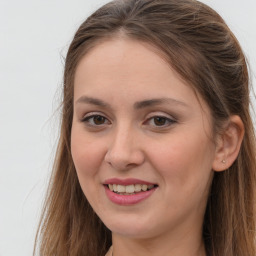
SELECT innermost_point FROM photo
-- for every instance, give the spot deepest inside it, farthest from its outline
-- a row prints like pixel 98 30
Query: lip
pixel 126 200
pixel 127 182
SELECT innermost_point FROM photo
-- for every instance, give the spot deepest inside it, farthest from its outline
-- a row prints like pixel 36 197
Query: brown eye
pixel 95 120
pixel 98 120
pixel 160 121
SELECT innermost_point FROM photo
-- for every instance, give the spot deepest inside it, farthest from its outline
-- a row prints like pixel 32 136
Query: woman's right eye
pixel 95 120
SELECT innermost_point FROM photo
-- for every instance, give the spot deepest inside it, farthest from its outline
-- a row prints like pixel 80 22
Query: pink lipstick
pixel 128 191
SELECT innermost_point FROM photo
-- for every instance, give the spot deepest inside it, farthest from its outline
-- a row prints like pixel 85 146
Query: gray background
pixel 34 36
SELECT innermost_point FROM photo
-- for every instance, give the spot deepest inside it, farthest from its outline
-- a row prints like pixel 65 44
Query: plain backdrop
pixel 34 36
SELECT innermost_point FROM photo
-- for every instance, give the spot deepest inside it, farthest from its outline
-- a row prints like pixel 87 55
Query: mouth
pixel 128 191
pixel 131 189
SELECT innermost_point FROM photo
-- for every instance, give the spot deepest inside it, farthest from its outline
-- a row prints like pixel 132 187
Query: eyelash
pixel 167 121
pixel 87 119
pixel 91 118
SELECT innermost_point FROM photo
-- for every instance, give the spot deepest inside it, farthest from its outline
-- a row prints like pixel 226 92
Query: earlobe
pixel 228 144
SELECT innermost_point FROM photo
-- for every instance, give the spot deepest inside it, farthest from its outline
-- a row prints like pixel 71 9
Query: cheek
pixel 184 161
pixel 87 153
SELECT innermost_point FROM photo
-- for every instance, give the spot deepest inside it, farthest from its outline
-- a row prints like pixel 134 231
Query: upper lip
pixel 126 182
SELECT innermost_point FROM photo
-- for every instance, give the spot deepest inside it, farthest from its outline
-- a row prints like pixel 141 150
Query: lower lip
pixel 128 199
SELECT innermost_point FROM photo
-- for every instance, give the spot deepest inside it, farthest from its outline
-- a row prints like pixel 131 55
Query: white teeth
pixel 129 189
pixel 120 188
pixel 110 187
pixel 144 187
pixel 137 187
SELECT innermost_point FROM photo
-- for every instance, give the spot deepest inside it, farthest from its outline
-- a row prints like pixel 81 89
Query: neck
pixel 186 245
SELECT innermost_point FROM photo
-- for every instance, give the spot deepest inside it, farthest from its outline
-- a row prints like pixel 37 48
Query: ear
pixel 228 144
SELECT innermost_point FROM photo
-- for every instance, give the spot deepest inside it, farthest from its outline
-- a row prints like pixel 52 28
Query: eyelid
pixel 90 115
pixel 93 113
pixel 170 120
pixel 161 114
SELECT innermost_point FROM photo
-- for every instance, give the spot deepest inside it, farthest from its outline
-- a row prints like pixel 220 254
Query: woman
pixel 156 154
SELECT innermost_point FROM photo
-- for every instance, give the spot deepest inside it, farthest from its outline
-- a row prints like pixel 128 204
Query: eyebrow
pixel 92 101
pixel 159 101
pixel 137 105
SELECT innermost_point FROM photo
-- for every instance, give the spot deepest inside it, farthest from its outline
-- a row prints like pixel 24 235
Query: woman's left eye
pixel 160 121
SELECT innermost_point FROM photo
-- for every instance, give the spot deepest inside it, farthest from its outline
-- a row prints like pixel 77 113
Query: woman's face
pixel 137 126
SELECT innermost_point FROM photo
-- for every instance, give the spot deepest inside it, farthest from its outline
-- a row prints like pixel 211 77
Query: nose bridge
pixel 124 150
pixel 123 136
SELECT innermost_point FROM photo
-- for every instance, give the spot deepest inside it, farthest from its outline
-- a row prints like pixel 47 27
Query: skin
pixel 177 153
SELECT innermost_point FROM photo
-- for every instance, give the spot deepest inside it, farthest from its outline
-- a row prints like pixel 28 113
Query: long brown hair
pixel 204 52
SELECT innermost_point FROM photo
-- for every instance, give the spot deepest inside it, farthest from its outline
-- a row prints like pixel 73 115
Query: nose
pixel 124 150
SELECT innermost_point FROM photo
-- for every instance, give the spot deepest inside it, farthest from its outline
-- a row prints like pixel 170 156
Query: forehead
pixel 122 58
pixel 123 54
pixel 130 67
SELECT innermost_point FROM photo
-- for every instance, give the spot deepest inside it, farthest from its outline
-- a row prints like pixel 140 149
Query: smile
pixel 129 189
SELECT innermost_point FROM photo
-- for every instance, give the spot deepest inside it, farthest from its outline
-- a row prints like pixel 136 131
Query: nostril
pixel 124 160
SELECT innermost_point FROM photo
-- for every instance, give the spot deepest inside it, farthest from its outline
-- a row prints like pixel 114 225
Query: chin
pixel 133 227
